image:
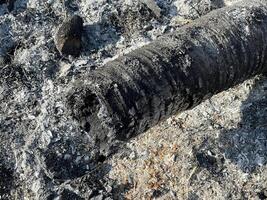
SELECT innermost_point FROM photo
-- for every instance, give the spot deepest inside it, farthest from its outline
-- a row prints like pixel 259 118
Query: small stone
pixel 132 156
pixel 108 188
pixel 68 37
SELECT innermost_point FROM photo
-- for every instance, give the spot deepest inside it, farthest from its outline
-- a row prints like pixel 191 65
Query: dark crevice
pixel 10 4
pixel 101 158
pixel 6 181
pixel 11 53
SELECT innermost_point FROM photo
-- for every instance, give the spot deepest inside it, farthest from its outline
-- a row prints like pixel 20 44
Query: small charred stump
pixel 68 37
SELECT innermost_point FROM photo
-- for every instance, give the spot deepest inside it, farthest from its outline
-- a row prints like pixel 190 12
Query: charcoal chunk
pixel 210 161
pixel 68 37
pixel 262 195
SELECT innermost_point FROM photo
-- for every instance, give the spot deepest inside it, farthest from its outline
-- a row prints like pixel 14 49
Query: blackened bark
pixel 174 73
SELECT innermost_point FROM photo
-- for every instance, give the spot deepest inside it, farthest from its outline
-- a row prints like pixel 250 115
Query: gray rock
pixel 68 37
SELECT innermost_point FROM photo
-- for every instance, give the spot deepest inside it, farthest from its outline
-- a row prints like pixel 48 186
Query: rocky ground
pixel 217 150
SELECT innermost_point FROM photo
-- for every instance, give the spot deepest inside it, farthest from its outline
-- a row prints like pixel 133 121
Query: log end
pixel 90 113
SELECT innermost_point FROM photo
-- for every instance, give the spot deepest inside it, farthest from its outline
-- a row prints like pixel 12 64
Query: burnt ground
pixel 214 151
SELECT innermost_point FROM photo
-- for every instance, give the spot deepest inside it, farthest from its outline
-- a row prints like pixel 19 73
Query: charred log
pixel 172 74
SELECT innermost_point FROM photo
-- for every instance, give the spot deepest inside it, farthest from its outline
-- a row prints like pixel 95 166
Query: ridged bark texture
pixel 174 73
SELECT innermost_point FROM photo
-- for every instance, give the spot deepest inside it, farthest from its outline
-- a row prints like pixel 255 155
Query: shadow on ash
pixel 246 146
